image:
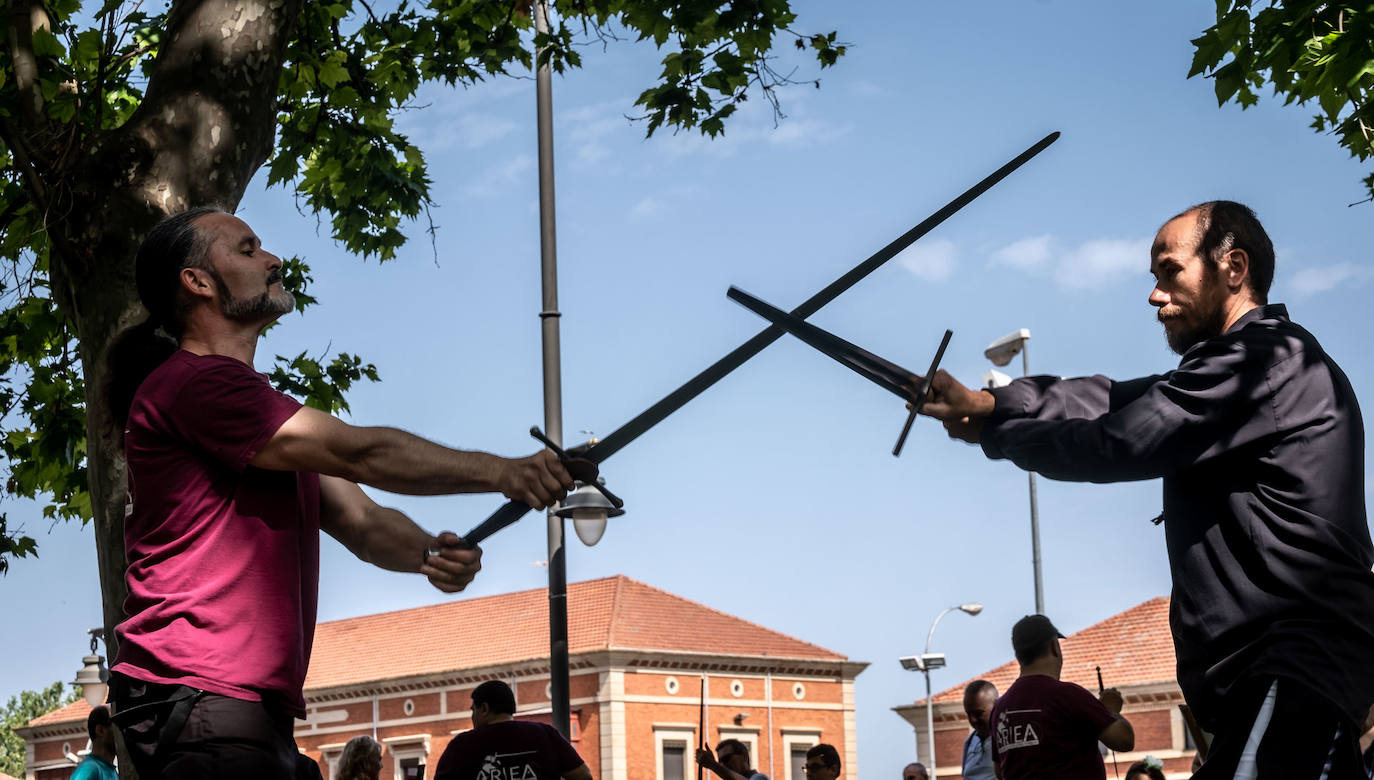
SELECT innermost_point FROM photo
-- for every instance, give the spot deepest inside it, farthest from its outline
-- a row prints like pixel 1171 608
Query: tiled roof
pixel 76 711
pixel 615 613
pixel 1133 647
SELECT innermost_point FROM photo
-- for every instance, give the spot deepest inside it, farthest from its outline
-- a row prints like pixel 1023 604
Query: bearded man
pixel 1258 438
pixel 230 484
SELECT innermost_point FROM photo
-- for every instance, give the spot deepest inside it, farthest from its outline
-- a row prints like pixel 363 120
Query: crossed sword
pixel 889 375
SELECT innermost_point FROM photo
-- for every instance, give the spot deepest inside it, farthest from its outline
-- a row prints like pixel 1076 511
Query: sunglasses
pixel 814 767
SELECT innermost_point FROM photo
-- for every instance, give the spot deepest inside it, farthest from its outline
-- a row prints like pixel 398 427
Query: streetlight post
pixel 924 663
pixel 553 383
pixel 1000 352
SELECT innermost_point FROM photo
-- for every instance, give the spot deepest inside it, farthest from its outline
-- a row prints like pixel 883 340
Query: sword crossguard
pixel 581 469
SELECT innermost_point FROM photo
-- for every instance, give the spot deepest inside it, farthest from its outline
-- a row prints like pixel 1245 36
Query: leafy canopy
pixel 1309 52
pixel 18 711
pixel 350 69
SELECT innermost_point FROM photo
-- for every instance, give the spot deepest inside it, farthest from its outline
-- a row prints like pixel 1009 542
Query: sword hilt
pixel 581 469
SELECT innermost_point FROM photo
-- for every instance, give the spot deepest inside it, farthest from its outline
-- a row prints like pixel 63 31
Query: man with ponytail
pixel 230 484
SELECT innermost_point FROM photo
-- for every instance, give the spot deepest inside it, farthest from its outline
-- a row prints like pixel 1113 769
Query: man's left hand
pixel 455 564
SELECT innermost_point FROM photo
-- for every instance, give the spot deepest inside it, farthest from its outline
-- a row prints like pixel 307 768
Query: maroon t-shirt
pixel 510 750
pixel 223 557
pixel 1044 729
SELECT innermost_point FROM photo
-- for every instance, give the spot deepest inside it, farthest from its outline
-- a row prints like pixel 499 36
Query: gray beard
pixel 259 306
pixel 1208 327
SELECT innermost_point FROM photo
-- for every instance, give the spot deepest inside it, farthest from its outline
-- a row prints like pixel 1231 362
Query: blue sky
pixel 774 496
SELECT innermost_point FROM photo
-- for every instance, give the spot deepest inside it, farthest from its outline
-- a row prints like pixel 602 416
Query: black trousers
pixel 1278 729
pixel 219 737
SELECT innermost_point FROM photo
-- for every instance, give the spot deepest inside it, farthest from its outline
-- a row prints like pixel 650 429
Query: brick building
pixel 1136 653
pixel 638 658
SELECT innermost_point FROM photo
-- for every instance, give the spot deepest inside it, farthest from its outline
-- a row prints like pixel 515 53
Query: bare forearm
pixel 388 539
pixel 399 462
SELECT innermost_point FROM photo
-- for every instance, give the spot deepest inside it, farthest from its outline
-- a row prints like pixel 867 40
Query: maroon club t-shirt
pixel 1044 729
pixel 223 557
pixel 510 750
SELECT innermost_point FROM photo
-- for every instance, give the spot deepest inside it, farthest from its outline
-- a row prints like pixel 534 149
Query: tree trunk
pixel 205 126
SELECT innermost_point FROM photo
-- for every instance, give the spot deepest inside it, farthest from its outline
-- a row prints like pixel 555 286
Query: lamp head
pixel 971 608
pixel 1001 351
pixel 589 510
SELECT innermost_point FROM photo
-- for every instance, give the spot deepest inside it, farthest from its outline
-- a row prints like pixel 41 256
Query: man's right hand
pixel 961 410
pixel 538 480
pixel 1111 699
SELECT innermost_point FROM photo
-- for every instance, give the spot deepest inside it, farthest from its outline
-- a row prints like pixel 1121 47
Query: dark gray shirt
pixel 1259 440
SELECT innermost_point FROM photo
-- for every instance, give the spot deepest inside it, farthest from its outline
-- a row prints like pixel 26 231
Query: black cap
pixel 1031 633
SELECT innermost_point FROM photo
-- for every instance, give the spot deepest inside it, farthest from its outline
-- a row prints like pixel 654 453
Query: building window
pixel 671 685
pixel 408 755
pixel 736 688
pixel 795 743
pixel 796 761
pixel 411 768
pixel 798 691
pixel 750 738
pixel 672 749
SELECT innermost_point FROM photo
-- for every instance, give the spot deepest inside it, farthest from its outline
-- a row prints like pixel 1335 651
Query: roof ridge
pixel 1129 615
pixel 728 616
pixel 614 622
pixel 455 603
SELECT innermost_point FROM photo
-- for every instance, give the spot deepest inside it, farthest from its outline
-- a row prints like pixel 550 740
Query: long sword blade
pixel 883 373
pixel 717 371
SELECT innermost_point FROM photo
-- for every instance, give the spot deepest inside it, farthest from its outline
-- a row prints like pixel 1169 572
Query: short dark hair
pixel 100 716
pixel 496 695
pixel 1140 767
pixel 1224 225
pixel 734 745
pixel 826 753
pixel 977 687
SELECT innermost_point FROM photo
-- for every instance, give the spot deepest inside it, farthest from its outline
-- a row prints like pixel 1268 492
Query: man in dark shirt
pixel 1260 443
pixel 1045 728
pixel 501 748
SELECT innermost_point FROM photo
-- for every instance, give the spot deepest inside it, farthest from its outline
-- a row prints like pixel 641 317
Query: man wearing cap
pixel 498 747
pixel 1043 727
pixel 1259 443
pixel 230 484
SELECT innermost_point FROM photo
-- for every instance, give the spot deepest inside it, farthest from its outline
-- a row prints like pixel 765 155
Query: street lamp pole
pixel 1034 506
pixel 925 663
pixel 1000 352
pixel 553 384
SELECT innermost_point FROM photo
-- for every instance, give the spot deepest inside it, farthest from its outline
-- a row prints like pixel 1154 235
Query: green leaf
pixel 45 44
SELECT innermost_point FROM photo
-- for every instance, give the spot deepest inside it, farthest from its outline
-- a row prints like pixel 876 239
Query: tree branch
pixel 25 17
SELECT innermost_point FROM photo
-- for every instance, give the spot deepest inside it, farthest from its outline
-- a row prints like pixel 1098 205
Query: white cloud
pixel 931 261
pixel 478 129
pixel 1092 263
pixel 496 179
pixel 866 89
pixel 646 208
pixel 1307 282
pixel 1027 253
pixel 1102 261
